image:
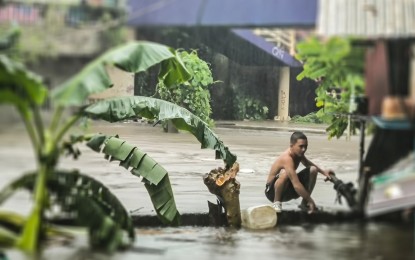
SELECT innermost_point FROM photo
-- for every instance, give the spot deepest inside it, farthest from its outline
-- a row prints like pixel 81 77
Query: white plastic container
pixel 259 217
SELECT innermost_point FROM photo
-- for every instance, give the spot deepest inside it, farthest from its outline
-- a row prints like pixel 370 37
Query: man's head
pixel 298 144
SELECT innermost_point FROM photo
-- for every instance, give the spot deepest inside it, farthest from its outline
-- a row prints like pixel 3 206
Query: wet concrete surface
pixel 181 156
pixel 186 163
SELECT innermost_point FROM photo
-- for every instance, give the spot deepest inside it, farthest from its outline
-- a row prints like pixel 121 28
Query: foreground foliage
pixel 75 193
pixel 338 68
pixel 193 94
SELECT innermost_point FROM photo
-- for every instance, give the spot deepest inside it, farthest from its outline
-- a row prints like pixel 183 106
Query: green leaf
pixel 320 104
pixel 13 220
pixel 17 81
pixel 173 71
pixel 337 48
pixel 117 109
pixel 96 141
pixel 336 63
pixel 11 224
pixel 7 237
pixel 92 203
pixel 188 94
pixel 337 128
pixel 162 197
pixel 155 177
pixel 301 76
pixel 28 241
pixel 311 47
pixel 132 57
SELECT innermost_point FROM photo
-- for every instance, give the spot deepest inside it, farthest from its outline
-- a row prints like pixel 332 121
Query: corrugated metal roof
pixel 367 18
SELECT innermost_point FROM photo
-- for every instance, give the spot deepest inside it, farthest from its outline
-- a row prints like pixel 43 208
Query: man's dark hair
pixel 297 135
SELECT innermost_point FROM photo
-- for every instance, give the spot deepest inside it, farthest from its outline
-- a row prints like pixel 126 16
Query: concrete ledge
pixel 272 125
pixel 270 128
pixel 293 217
pixel 284 218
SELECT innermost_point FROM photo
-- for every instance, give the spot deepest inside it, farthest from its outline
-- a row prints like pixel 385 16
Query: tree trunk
pixel 224 185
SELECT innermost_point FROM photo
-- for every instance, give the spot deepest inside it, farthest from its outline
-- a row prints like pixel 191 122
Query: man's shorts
pixel 289 193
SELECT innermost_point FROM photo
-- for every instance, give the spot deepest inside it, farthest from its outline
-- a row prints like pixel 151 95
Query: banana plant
pixel 77 193
pixel 25 91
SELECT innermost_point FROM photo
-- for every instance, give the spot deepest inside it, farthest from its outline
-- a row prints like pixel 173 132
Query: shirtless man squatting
pixel 284 184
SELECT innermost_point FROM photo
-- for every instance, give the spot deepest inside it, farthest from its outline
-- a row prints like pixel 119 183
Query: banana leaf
pixel 10 225
pixel 155 177
pixel 11 220
pixel 132 57
pixel 120 108
pixel 92 204
pixel 19 86
pixel 7 237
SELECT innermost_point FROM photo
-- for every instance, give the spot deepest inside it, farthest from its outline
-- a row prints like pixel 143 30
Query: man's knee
pixel 313 171
pixel 281 184
pixel 282 178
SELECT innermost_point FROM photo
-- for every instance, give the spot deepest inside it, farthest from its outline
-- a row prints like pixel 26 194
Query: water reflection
pixel 340 241
pixel 369 241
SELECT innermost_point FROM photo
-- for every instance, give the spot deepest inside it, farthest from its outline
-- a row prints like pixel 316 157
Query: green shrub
pixel 309 118
pixel 194 94
pixel 250 108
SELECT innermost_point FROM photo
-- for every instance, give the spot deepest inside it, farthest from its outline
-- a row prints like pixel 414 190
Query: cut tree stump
pixel 223 184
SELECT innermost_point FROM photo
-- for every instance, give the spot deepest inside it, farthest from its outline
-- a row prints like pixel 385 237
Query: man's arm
pixel 275 168
pixel 307 163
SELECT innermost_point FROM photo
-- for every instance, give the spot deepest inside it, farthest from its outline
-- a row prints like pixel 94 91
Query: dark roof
pixel 231 13
pixel 259 44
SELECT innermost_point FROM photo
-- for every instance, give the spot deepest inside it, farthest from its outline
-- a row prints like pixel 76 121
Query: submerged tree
pixel 110 226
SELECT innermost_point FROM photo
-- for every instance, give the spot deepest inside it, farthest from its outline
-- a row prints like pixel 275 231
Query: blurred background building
pixel 249 45
pixel 59 37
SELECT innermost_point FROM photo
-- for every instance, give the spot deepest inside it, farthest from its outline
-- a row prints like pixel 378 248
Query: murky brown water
pixel 344 241
pixel 186 163
pixel 370 241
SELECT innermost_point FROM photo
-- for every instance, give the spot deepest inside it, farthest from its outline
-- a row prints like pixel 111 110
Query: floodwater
pixel 369 241
pixel 343 241
pixel 181 156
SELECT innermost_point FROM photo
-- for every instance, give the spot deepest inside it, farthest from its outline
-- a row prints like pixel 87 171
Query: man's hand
pixel 328 174
pixel 311 207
